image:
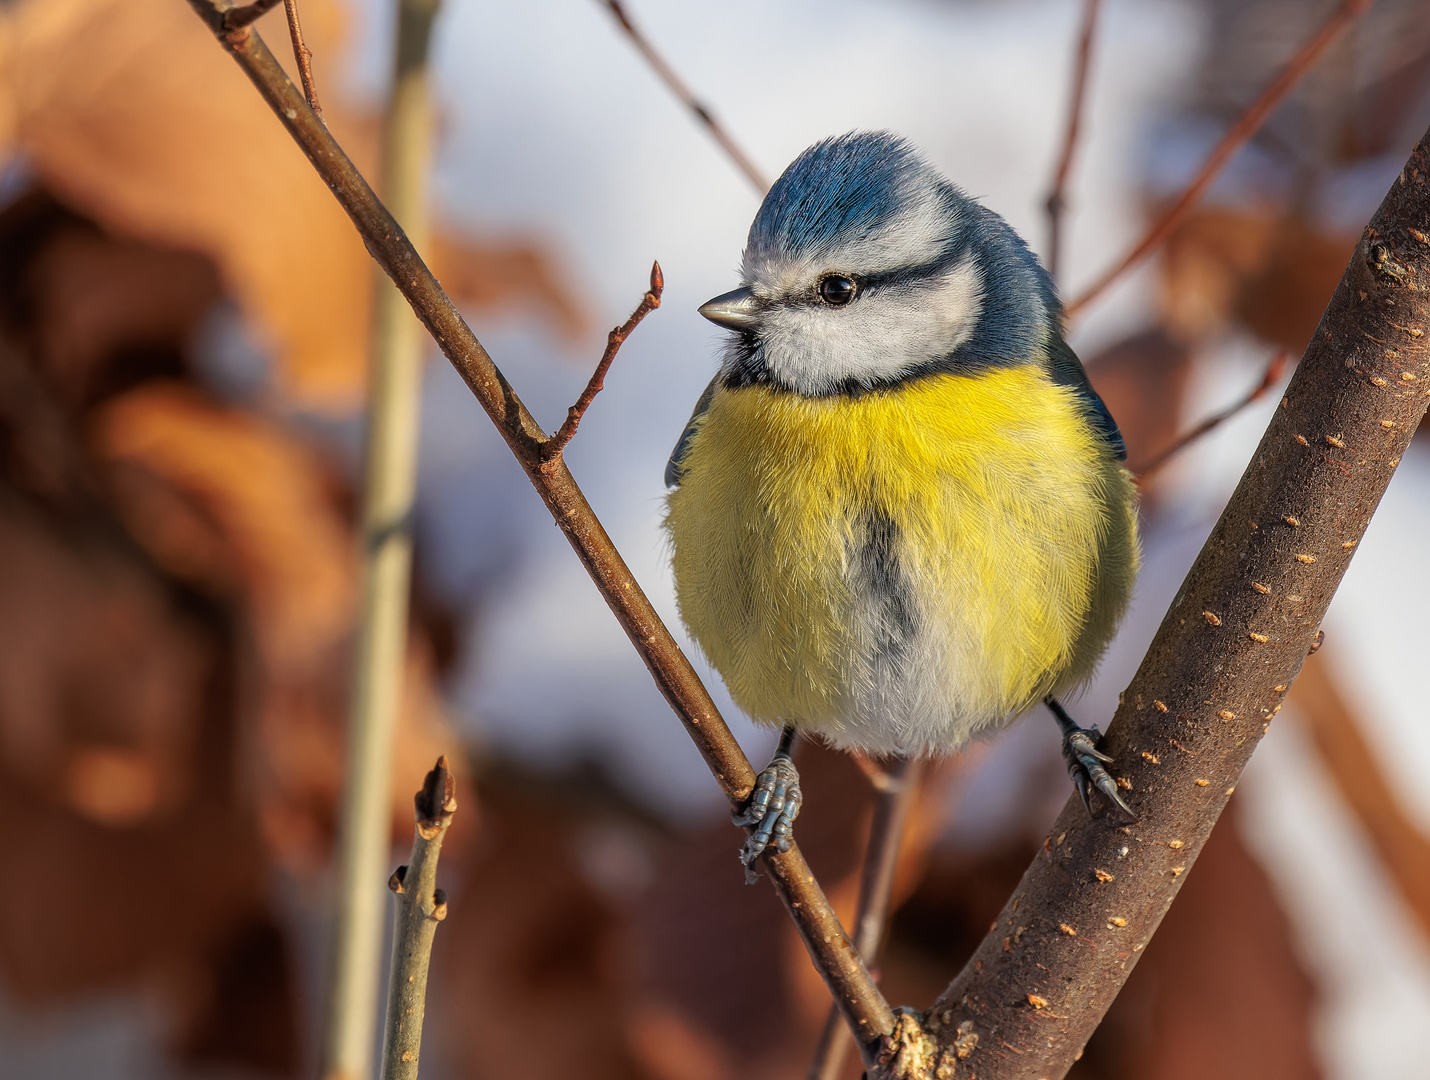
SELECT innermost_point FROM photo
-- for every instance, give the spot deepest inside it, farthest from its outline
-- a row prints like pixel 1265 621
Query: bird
pixel 899 515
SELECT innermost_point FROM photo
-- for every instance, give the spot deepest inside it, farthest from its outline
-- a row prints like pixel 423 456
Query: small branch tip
pixel 552 448
pixel 437 800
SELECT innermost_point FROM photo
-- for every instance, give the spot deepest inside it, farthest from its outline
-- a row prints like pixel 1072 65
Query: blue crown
pixel 848 185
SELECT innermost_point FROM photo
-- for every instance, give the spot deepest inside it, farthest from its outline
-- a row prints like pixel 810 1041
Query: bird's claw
pixel 1085 767
pixel 773 806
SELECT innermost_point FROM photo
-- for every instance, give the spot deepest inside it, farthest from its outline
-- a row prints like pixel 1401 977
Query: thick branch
pixel 553 447
pixel 1248 125
pixel 1228 649
pixel 864 1008
pixel 1057 199
pixel 420 907
pixel 676 85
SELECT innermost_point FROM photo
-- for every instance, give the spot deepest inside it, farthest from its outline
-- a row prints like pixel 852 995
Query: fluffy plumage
pixel 901 519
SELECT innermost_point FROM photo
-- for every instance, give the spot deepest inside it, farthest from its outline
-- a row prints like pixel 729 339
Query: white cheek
pixel 880 336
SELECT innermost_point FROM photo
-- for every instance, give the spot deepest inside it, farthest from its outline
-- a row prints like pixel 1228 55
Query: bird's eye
pixel 837 290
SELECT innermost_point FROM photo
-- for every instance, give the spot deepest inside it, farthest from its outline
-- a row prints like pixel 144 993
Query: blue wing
pixel 673 469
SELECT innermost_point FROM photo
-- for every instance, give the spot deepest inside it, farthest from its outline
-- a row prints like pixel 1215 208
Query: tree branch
pixel 390 440
pixel 420 907
pixel 553 447
pixel 239 17
pixel 863 1007
pixel 876 886
pixel 676 85
pixel 302 56
pixel 1227 650
pixel 1250 122
pixel 1056 199
pixel 1270 378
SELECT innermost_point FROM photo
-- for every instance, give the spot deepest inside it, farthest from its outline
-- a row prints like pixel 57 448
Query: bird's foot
pixel 1085 767
pixel 773 806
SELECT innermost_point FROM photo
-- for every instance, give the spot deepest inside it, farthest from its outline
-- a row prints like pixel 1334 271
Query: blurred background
pixel 184 323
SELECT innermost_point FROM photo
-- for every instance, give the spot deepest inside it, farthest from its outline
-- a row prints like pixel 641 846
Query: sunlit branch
pixel 833 955
pixel 553 447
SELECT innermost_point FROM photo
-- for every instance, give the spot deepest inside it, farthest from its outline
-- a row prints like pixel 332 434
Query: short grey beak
pixel 738 309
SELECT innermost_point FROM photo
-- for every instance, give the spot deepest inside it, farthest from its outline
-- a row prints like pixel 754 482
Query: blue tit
pixel 900 512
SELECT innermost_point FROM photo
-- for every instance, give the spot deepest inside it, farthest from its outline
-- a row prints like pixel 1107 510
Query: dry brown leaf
pixel 495 275
pixel 266 492
pixel 131 112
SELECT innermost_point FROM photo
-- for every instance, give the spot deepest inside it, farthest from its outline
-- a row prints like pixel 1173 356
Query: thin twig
pixel 302 56
pixel 863 1006
pixel 239 17
pixel 1270 378
pixel 1057 200
pixel 390 444
pixel 876 887
pixel 699 109
pixel 552 448
pixel 419 907
pixel 1239 133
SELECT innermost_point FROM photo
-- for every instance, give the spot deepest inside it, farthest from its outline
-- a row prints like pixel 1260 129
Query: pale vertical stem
pixel 419 908
pixel 389 482
pixel 896 792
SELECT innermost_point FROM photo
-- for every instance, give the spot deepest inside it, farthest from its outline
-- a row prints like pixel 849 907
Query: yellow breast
pixel 902 568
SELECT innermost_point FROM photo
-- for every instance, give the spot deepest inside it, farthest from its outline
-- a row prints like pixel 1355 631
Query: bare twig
pixel 389 484
pixel 677 86
pixel 1227 651
pixel 302 56
pixel 876 887
pixel 239 17
pixel 419 908
pixel 552 448
pixel 1057 200
pixel 1270 378
pixel 859 999
pixel 1239 133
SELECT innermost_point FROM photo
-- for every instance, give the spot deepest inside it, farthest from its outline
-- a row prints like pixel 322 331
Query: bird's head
pixel 865 267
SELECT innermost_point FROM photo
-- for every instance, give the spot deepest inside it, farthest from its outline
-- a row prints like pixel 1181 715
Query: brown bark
pixel 1228 649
